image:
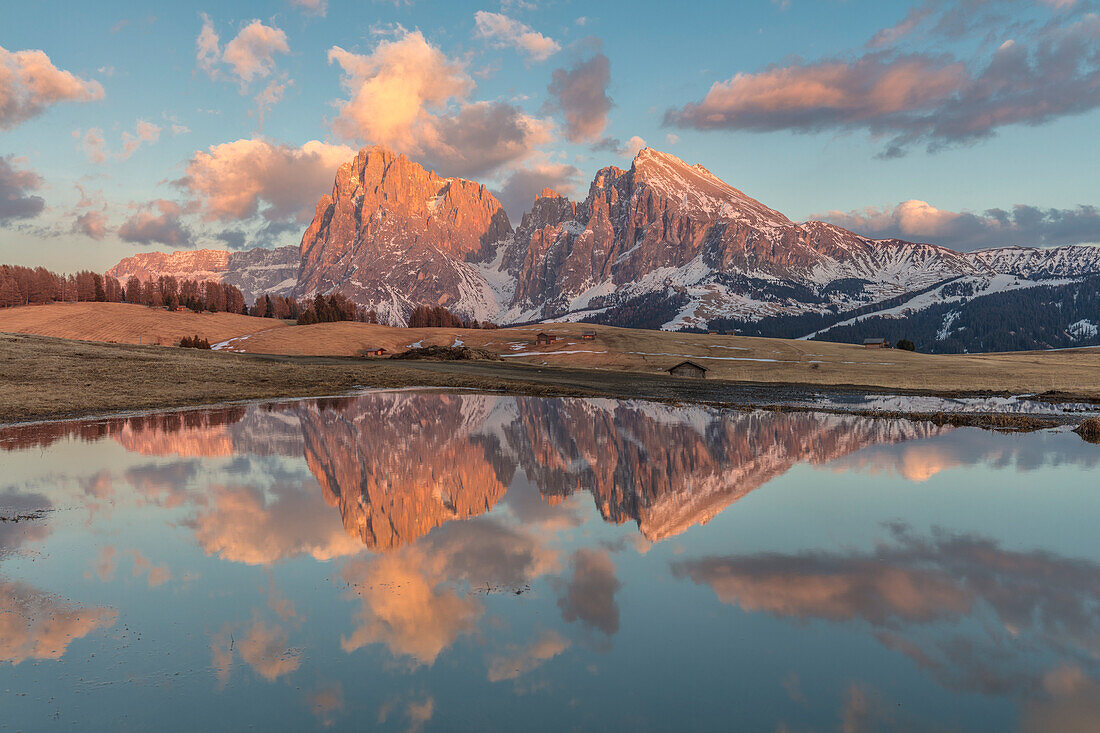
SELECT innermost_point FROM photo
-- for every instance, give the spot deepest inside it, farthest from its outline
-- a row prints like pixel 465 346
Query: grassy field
pixel 47 378
pixel 618 350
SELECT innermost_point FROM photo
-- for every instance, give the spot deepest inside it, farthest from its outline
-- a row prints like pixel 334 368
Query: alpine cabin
pixel 688 369
pixel 543 339
pixel 876 343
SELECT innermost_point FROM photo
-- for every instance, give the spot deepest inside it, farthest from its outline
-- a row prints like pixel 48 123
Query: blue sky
pixel 967 123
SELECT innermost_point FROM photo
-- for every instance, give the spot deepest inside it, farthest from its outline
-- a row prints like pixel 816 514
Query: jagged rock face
pixel 688 227
pixel 664 239
pixel 392 235
pixel 398 465
pixel 199 264
pixel 254 271
pixel 258 271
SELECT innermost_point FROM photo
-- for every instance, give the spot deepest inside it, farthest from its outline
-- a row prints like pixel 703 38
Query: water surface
pixel 428 561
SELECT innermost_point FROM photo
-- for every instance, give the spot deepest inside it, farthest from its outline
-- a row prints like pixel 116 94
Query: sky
pixel 133 126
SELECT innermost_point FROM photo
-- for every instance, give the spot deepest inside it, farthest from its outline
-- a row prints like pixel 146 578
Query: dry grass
pixel 124 323
pixel 47 378
pixel 1089 430
pixel 738 358
pixel 1076 373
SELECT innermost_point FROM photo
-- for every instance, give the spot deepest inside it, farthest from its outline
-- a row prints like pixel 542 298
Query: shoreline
pixel 50 380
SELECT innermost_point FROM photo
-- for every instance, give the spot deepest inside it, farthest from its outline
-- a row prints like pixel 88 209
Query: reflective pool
pixel 421 560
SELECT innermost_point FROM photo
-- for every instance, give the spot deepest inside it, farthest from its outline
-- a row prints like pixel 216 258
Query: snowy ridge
pixel 664 243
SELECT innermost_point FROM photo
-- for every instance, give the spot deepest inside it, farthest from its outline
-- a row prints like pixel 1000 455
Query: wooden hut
pixel 543 339
pixel 588 335
pixel 373 352
pixel 876 343
pixel 688 369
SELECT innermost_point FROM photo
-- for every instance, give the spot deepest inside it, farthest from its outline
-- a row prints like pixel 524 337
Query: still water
pixel 430 561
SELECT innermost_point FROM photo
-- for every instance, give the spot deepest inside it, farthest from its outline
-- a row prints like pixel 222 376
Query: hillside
pixel 125 323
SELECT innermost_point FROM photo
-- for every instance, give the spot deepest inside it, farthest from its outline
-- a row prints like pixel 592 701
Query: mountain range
pixel 663 244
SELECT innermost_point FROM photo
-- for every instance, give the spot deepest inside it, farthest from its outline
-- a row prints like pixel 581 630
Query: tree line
pixel 197 295
pixel 322 309
pixel 436 316
pixel 34 286
pixel 39 286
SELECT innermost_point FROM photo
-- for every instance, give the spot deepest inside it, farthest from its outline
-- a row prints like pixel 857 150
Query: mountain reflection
pixel 459 548
pixel 397 465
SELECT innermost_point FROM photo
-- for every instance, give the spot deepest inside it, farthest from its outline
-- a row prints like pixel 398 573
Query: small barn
pixel 373 352
pixel 876 343
pixel 588 335
pixel 688 369
pixel 543 339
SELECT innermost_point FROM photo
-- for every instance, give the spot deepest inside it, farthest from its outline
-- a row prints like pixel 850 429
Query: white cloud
pixel 504 32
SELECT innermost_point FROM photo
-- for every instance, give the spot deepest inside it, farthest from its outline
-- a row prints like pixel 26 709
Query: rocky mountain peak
pixel 701 191
pixel 393 235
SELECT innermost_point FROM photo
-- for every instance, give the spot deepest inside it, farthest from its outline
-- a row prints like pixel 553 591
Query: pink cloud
pixel 519 662
pixel 35 625
pixel 252 53
pixel 29 83
pixel 1041 72
pixel 313 7
pixel 393 89
pixel 239 179
pixel 590 595
pixel 249 56
pixel 409 96
pixel 1024 225
pixel 92 224
pixel 144 132
pixel 157 222
pixel 93 143
pixel 524 184
pixel 817 95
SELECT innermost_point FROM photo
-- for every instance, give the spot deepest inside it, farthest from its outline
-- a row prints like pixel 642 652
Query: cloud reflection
pixel 419 599
pixel 35 625
pixel 916 591
pixel 589 596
